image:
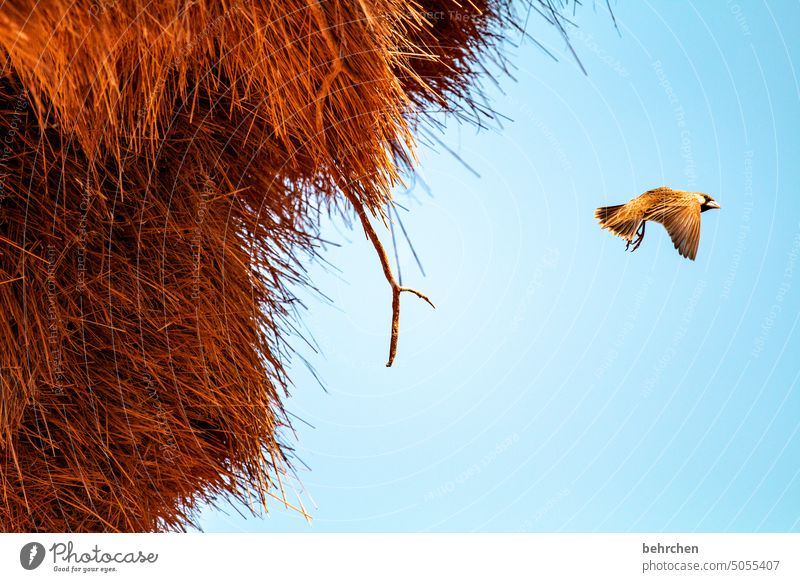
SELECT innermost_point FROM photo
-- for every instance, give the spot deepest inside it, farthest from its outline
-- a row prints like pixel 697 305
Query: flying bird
pixel 678 211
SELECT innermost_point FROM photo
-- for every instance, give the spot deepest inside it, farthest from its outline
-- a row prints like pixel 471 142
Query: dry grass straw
pixel 164 169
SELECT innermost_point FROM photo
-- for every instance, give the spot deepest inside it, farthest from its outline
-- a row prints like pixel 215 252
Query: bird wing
pixel 682 221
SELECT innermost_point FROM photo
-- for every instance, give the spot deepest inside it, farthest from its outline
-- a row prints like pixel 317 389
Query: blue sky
pixel 563 384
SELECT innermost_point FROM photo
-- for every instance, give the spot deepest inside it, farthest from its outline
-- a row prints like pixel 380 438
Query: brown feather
pixel 682 221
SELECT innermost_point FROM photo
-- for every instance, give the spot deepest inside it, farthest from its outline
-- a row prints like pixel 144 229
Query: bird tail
pixel 620 223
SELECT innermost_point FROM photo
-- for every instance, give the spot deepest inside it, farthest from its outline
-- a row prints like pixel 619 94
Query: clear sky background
pixel 562 384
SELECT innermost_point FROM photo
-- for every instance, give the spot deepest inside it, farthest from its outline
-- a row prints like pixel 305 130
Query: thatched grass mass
pixel 163 170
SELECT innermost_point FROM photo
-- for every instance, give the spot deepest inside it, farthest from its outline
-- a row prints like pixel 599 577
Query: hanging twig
pixel 397 289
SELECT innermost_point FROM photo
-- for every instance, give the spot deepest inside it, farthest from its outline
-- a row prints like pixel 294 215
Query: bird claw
pixel 637 241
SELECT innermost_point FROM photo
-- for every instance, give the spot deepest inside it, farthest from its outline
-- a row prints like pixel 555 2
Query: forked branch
pixel 397 289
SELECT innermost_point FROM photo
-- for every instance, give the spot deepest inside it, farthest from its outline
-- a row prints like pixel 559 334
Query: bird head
pixel 708 203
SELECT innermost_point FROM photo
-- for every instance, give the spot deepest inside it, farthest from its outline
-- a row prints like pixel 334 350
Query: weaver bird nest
pixel 164 169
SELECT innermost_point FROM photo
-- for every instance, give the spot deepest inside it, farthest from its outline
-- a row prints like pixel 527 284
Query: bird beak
pixel 713 204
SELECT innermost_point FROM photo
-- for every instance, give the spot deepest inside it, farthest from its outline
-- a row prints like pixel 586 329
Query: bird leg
pixel 636 242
